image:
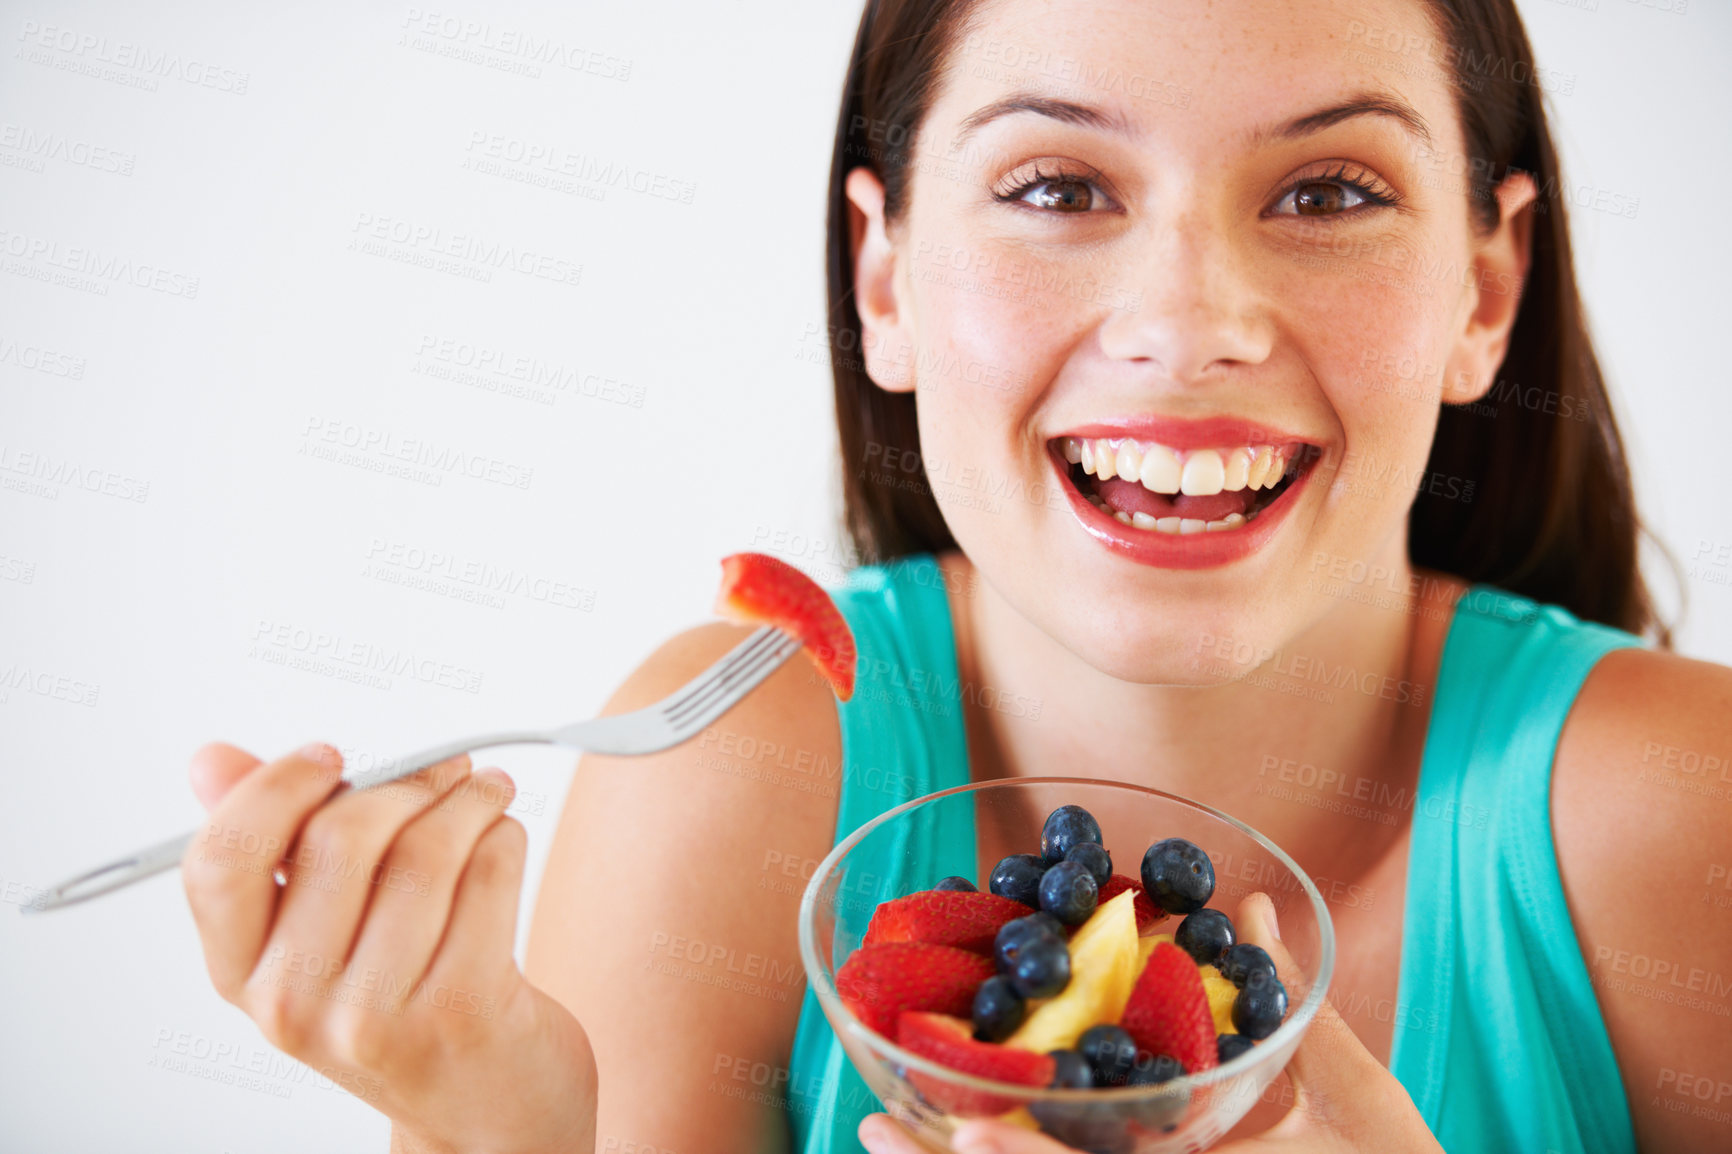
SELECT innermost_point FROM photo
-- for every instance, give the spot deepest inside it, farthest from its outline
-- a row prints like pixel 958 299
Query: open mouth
pixel 1163 490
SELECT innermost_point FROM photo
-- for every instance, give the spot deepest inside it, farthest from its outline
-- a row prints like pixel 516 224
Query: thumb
pixel 215 769
pixel 1330 1058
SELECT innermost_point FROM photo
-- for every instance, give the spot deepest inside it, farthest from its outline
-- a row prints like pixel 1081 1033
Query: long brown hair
pixel 1556 515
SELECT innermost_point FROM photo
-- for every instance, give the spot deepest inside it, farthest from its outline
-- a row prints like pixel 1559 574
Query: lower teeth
pixel 1182 526
pixel 1178 526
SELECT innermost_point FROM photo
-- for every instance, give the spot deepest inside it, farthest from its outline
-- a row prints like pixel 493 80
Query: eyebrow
pixel 1068 111
pixel 1359 104
pixel 1087 116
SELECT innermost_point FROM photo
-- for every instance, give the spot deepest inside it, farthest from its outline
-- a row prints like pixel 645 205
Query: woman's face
pixel 1212 245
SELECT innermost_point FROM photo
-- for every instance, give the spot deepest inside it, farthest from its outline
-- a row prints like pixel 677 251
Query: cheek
pixel 1005 314
pixel 986 346
pixel 986 350
pixel 1377 343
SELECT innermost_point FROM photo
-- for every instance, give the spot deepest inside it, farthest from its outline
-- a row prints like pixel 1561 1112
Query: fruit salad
pixel 1064 974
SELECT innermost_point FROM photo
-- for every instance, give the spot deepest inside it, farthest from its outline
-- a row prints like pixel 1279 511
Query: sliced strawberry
pixel 1169 1011
pixel 879 982
pixel 949 1041
pixel 759 589
pixel 968 921
pixel 1149 915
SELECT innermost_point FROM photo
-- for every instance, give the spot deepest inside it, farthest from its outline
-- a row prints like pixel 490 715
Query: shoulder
pixel 1651 732
pixel 785 723
pixel 772 762
pixel 668 905
pixel 793 699
pixel 1642 819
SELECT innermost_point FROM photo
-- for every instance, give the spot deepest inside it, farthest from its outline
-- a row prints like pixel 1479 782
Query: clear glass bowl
pixel 911 847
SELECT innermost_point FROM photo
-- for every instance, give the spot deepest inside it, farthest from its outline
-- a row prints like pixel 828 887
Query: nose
pixel 1194 308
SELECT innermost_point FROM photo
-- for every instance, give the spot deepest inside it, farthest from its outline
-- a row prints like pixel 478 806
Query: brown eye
pixel 1325 198
pixel 1319 199
pixel 1060 195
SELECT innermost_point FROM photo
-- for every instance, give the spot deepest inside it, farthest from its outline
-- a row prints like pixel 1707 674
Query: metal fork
pixel 667 723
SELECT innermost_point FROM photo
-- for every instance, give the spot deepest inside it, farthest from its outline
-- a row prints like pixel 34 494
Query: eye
pixel 1063 195
pixel 1336 193
pixel 1324 198
pixel 1062 191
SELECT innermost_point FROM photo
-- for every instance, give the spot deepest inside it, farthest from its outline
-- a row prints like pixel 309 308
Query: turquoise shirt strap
pixel 903 737
pixel 1498 1037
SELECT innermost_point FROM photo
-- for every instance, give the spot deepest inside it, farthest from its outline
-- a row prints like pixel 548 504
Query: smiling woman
pixel 1252 331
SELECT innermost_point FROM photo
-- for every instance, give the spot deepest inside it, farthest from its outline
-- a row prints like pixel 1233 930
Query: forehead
pixel 1218 69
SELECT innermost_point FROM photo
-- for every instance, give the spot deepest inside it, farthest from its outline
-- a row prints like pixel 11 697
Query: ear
pixel 1499 270
pixel 884 338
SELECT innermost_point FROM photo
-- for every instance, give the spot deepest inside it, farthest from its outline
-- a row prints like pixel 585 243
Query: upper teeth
pixel 1198 472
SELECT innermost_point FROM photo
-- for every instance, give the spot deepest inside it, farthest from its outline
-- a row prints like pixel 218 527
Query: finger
pixel 479 939
pixel 1330 1058
pixel 228 868
pixel 332 868
pixel 418 886
pixel 1344 1098
pixel 215 769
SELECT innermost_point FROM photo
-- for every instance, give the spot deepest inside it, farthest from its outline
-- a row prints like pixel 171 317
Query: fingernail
pixel 320 752
pixel 1269 921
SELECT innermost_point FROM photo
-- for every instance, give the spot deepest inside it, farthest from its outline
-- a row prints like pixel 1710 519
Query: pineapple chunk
pixel 1146 946
pixel 1020 1117
pixel 1103 968
pixel 1221 993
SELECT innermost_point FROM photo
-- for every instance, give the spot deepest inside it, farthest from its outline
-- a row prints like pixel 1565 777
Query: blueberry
pixel 1230 1046
pixel 955 883
pixel 998 1010
pixel 1094 1127
pixel 1070 1071
pixel 1014 935
pixel 1110 1052
pixel 1065 827
pixel 1042 968
pixel 1259 1008
pixel 1068 892
pixel 1153 1069
pixel 1053 926
pixel 1017 877
pixel 1098 860
pixel 1167 1110
pixel 1177 876
pixel 1247 965
pixel 1205 935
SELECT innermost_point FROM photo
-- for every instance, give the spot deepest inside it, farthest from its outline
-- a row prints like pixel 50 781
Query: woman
pixel 1188 340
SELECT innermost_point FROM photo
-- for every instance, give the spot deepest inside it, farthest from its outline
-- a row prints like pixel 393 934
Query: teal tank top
pixel 1498 1038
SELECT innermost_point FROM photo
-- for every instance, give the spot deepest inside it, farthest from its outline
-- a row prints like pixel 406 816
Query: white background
pixel 696 422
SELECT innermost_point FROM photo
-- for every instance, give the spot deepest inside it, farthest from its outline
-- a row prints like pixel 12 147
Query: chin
pixel 1135 623
pixel 1201 642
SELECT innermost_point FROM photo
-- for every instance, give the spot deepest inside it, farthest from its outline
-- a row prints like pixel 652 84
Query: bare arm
pixel 666 917
pixel 1642 812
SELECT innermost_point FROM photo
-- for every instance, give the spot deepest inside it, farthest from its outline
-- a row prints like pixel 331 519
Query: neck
pixel 1335 718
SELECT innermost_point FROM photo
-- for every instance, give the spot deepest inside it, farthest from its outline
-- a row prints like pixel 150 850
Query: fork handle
pixel 416 762
pixel 120 872
pixel 165 855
